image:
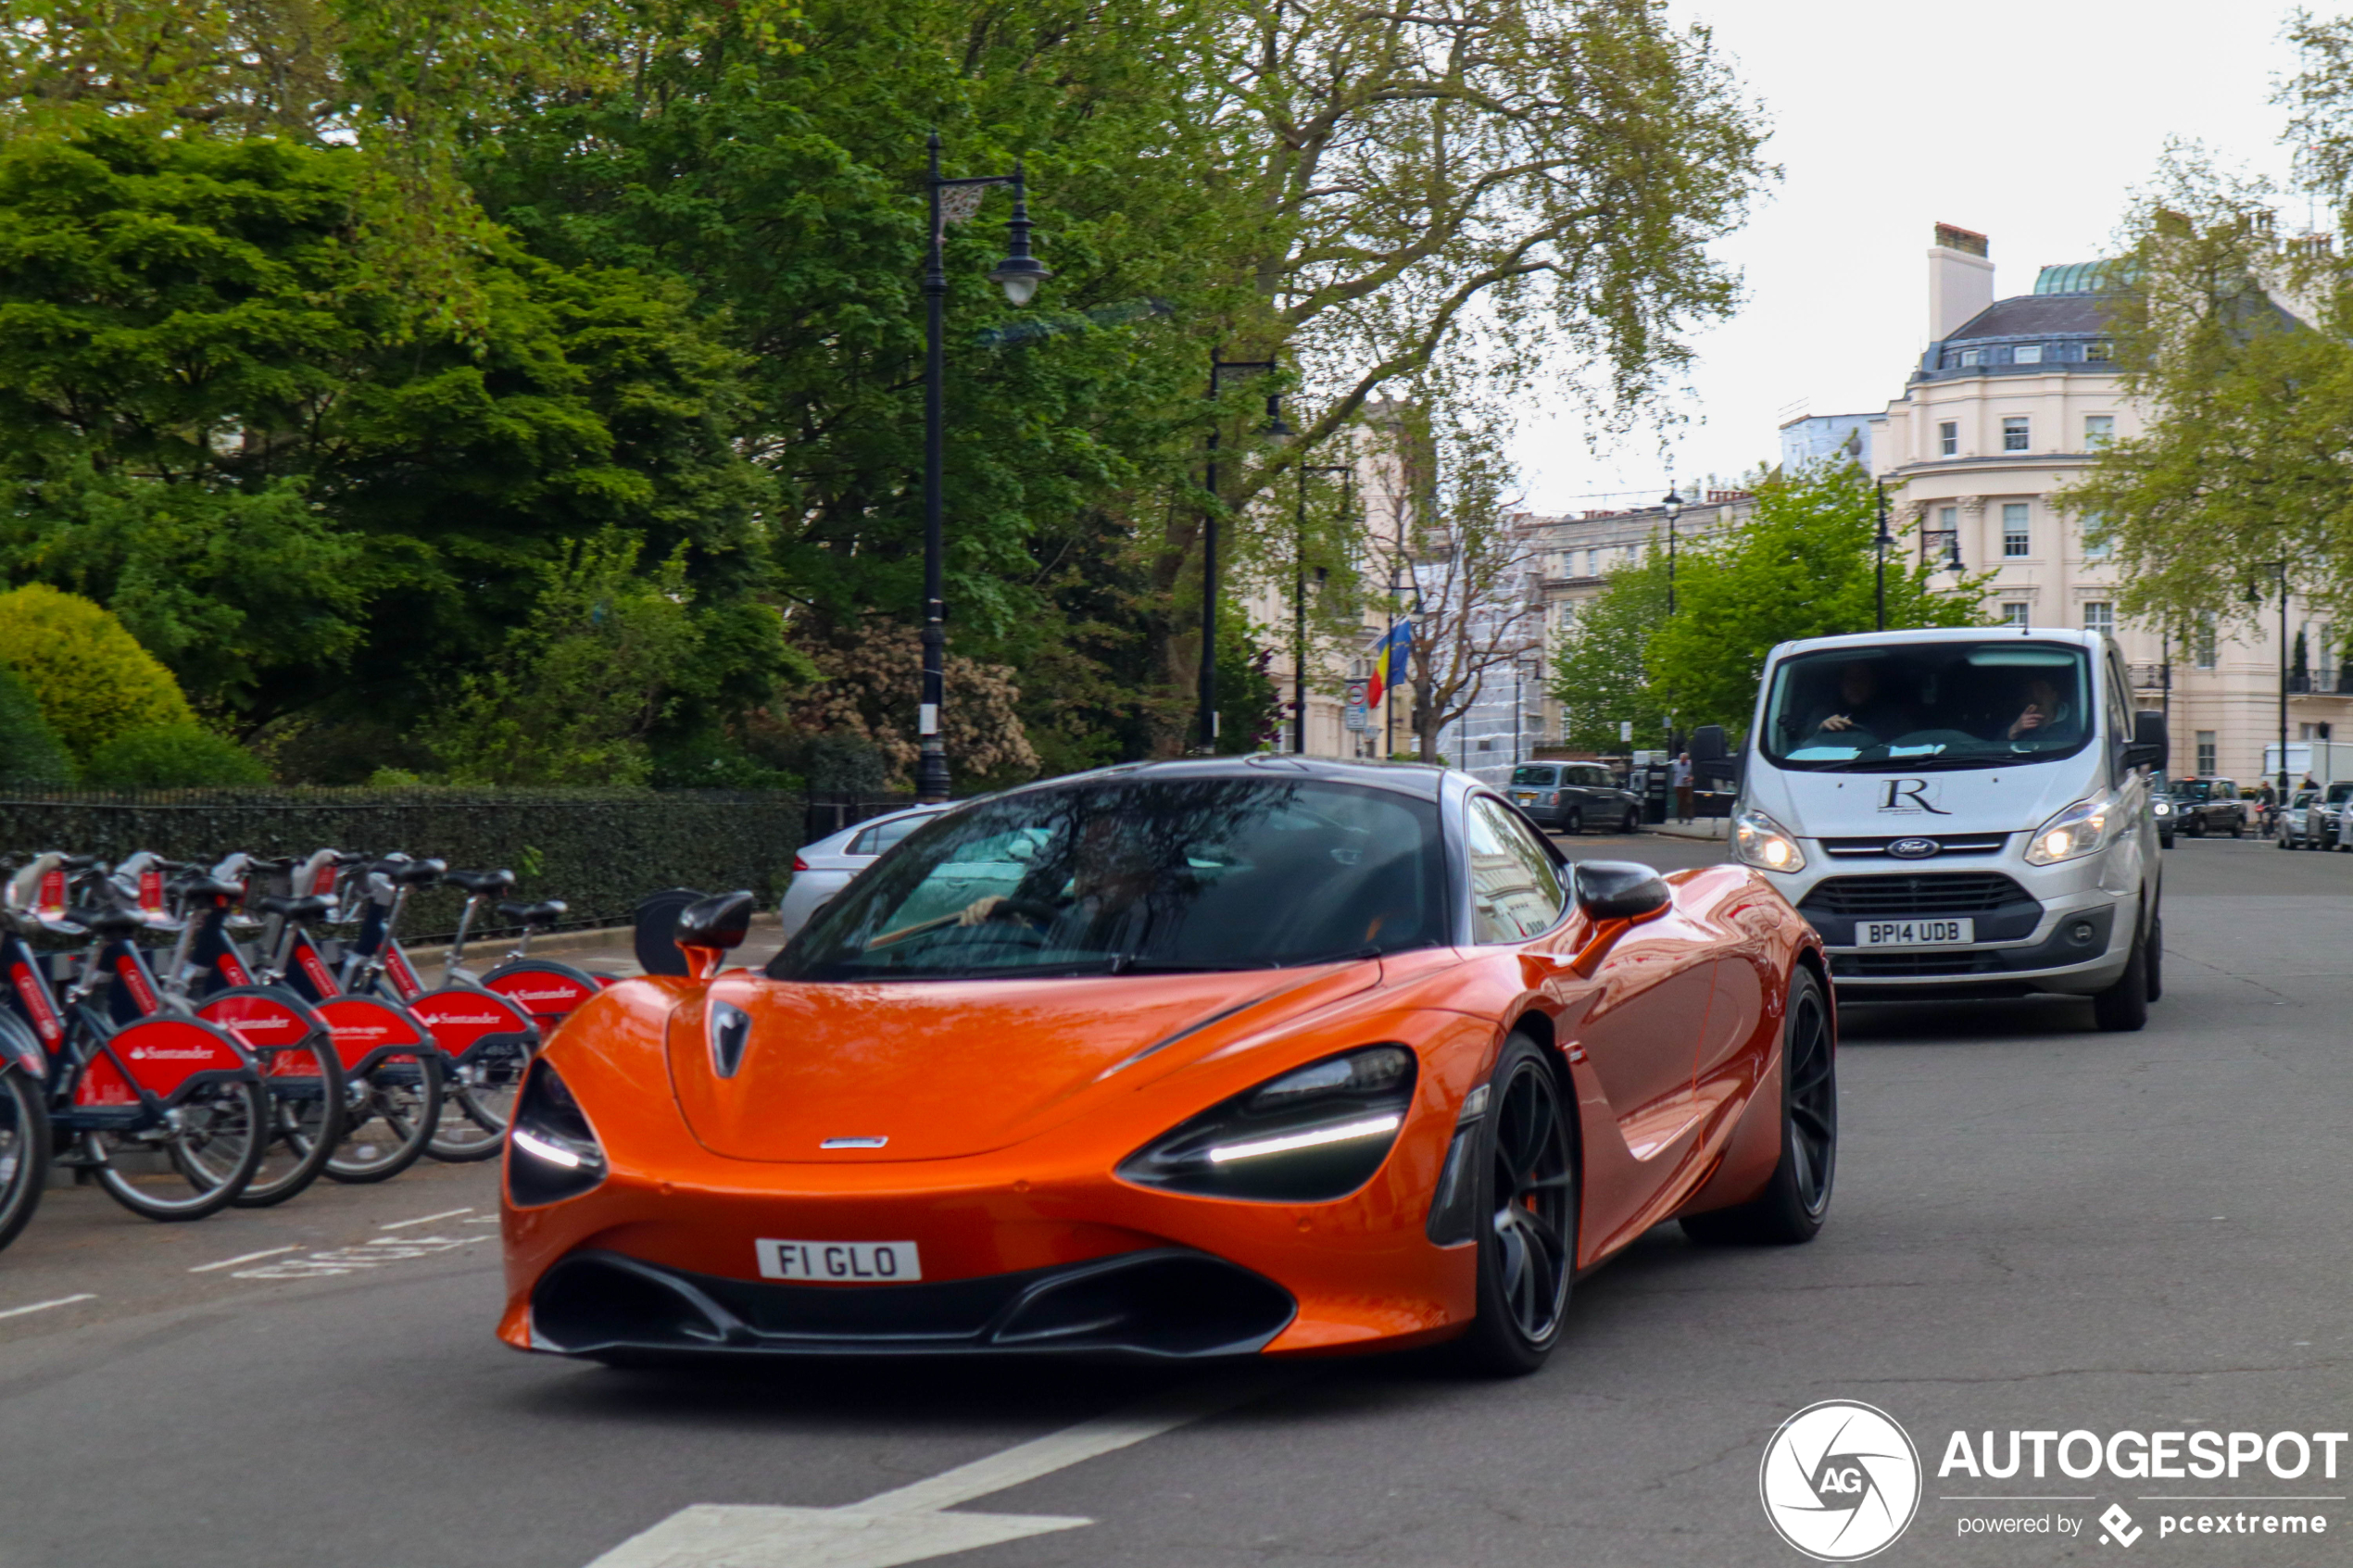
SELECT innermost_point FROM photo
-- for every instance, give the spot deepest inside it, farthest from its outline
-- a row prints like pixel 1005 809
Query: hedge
pixel 598 850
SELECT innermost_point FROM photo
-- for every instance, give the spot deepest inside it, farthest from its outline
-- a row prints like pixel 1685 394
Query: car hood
pixel 949 1067
pixel 1928 803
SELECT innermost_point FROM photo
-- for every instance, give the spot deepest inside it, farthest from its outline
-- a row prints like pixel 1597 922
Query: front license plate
pixel 1914 932
pixel 840 1262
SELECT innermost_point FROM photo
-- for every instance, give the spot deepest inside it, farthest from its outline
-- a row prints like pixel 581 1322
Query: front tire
pixel 1797 1199
pixel 24 1150
pixel 1527 1205
pixel 1574 823
pixel 215 1142
pixel 2124 1006
pixel 1633 822
pixel 2238 827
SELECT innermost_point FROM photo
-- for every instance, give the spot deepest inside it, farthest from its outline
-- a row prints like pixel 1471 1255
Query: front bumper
pixel 1159 1304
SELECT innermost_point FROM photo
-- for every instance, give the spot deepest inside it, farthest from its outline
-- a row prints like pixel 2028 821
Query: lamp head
pixel 1019 277
pixel 1674 505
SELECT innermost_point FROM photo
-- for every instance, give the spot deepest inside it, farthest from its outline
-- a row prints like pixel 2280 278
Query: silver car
pixel 824 868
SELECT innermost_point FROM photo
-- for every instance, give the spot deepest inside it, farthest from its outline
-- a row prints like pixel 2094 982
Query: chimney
pixel 1960 280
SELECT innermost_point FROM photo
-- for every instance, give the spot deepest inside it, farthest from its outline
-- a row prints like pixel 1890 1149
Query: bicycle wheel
pixel 480 1104
pixel 307 1099
pixel 213 1140
pixel 390 1110
pixel 24 1150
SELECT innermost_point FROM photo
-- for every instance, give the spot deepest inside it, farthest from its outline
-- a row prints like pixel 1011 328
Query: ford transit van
pixel 1962 813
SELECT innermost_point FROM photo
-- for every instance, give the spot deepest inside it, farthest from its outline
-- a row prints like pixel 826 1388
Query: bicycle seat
pixel 535 915
pixel 481 882
pixel 309 908
pixel 106 923
pixel 201 886
pixel 417 874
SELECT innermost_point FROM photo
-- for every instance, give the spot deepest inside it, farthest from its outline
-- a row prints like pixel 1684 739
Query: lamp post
pixel 1879 546
pixel 1299 595
pixel 1018 274
pixel 1218 369
pixel 1674 505
pixel 2281 566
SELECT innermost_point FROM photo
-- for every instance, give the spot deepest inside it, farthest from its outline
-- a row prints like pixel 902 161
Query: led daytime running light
pixel 548 1149
pixel 1373 1127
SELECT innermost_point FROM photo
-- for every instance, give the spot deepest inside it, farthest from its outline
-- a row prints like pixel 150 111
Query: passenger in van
pixel 1861 706
pixel 2043 714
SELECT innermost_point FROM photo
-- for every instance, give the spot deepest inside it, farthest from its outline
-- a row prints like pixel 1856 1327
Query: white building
pixel 2005 411
pixel 1819 440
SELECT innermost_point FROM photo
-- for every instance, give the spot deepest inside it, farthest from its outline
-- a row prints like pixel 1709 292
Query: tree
pixel 867 682
pixel 1601 662
pixel 1802 564
pixel 30 753
pixel 93 680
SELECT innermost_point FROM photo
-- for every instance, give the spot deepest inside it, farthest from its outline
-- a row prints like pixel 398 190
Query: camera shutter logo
pixel 1840 1481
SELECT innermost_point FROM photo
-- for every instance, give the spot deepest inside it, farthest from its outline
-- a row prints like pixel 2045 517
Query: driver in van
pixel 1861 706
pixel 2045 711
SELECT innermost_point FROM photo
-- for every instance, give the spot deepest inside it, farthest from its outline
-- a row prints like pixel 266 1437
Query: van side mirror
pixel 710 926
pixel 1619 890
pixel 2149 747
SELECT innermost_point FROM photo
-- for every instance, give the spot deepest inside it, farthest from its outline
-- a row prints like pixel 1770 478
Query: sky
pixel 2031 124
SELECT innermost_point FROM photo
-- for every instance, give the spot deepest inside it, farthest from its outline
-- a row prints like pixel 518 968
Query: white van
pixel 1962 813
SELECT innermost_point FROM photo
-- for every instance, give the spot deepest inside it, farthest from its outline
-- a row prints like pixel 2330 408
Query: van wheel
pixel 2124 1006
pixel 2157 956
pixel 2238 827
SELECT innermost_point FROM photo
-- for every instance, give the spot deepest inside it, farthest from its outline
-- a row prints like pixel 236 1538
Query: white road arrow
pixel 908 1524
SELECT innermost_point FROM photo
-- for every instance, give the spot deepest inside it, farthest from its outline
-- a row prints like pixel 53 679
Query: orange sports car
pixel 1200 1059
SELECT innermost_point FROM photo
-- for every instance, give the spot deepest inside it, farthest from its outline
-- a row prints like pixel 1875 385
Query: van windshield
pixel 1952 705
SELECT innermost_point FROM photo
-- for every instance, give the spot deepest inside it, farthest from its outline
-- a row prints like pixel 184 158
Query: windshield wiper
pixel 1349 955
pixel 1918 764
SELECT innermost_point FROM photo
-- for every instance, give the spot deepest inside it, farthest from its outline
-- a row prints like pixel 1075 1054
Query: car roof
pixel 836 843
pixel 1422 780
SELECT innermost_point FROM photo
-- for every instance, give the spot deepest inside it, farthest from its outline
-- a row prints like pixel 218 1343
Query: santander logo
pixel 170 1053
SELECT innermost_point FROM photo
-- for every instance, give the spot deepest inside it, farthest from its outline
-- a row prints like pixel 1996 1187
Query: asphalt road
pixel 2036 1227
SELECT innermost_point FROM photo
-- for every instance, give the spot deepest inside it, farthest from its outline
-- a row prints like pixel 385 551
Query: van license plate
pixel 1914 932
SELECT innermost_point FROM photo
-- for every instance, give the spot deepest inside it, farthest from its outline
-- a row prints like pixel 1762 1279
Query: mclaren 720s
pixel 1185 1060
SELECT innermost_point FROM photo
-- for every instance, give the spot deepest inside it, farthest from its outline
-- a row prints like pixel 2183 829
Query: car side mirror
pixel 2149 747
pixel 1619 890
pixel 709 927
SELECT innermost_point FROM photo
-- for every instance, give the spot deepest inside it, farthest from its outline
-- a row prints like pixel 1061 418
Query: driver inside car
pixel 1117 891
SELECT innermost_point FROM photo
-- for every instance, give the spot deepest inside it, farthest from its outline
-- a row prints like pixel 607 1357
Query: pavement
pixel 2037 1227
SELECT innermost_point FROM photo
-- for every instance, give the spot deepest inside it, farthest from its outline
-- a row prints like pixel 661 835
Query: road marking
pixel 429 1219
pixel 483 1219
pixel 906 1524
pixel 351 1260
pixel 44 1306
pixel 241 1258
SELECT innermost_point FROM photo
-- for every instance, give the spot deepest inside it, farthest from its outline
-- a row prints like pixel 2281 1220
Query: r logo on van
pixel 1910 796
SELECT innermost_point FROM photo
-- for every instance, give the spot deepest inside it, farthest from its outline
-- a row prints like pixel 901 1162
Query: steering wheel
pixel 1024 909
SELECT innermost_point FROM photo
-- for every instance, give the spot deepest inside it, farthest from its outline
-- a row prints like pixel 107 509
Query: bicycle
pixel 293 1047
pixel 171 1085
pixel 549 990
pixel 391 1067
pixel 24 1128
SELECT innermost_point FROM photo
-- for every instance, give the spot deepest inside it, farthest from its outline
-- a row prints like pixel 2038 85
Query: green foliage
pixel 172 756
pixel 30 753
pixel 92 678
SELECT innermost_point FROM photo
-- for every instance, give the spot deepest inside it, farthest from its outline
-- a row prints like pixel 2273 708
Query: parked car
pixel 2204 806
pixel 1566 797
pixel 824 868
pixel 2328 823
pixel 2299 822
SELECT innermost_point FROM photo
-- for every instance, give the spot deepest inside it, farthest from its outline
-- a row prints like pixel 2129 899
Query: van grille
pixel 1860 966
pixel 1951 893
pixel 1949 844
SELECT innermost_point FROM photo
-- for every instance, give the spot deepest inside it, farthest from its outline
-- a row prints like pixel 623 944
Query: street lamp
pixel 1879 548
pixel 1299 593
pixel 1275 426
pixel 2254 597
pixel 1018 274
pixel 1674 505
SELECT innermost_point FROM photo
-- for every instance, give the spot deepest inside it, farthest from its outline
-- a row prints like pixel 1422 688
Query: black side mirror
pixel 1708 746
pixel 1619 890
pixel 710 926
pixel 2149 746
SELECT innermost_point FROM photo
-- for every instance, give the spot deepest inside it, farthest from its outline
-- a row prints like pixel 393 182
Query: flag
pixel 1389 661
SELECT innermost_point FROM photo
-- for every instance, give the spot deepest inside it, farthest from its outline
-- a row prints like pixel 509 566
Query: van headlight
pixel 1760 841
pixel 2085 828
pixel 1315 1134
pixel 552 1152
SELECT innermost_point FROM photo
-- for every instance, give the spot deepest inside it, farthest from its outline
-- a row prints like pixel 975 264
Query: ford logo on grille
pixel 1913 848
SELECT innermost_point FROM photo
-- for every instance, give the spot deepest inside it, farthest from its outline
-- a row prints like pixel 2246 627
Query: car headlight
pixel 552 1152
pixel 1314 1135
pixel 2085 828
pixel 1760 841
pixel 2162 808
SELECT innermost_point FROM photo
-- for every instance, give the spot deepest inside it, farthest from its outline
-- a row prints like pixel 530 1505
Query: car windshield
pixel 1955 705
pixel 2193 789
pixel 2339 793
pixel 1531 775
pixel 1121 875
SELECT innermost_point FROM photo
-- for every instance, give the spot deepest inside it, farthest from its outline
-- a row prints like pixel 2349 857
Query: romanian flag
pixel 1389 661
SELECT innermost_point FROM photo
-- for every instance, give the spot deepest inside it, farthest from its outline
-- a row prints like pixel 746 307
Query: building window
pixel 2027 354
pixel 2202 644
pixel 1593 563
pixel 1972 357
pixel 2014 433
pixel 1948 438
pixel 2013 615
pixel 1945 517
pixel 2098 617
pixel 2099 431
pixel 2016 540
pixel 2097 545
pixel 2205 751
pixel 2099 351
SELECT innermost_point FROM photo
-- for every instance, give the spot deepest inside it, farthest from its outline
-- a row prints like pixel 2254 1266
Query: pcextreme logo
pixel 1840 1481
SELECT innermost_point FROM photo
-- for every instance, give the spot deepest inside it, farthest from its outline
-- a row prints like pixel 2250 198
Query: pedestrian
pixel 1680 775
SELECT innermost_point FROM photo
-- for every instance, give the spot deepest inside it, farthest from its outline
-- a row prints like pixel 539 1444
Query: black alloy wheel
pixel 1574 823
pixel 2198 825
pixel 1527 1205
pixel 1797 1198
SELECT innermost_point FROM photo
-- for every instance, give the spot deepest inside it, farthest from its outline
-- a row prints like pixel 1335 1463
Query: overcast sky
pixel 2029 123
